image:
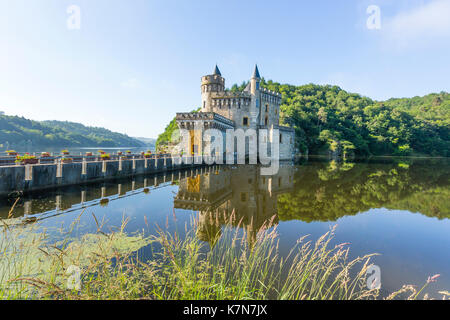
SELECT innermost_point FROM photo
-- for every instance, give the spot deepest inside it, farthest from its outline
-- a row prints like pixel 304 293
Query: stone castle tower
pixel 253 108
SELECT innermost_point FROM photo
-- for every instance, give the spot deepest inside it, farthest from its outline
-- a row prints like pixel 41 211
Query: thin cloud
pixel 422 26
pixel 130 83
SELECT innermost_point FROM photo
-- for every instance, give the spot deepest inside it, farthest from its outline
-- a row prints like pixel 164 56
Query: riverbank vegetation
pixel 109 265
pixel 327 116
pixel 329 120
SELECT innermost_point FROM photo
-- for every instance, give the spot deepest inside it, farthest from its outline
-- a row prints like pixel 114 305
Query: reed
pixel 182 266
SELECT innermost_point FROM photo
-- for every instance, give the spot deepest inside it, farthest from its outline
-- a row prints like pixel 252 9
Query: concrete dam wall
pixel 26 178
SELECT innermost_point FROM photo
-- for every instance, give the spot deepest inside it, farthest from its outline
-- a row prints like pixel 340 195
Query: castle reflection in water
pixel 316 191
pixel 238 195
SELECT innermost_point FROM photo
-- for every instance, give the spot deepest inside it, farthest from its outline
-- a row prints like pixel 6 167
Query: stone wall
pixel 287 143
pixel 44 176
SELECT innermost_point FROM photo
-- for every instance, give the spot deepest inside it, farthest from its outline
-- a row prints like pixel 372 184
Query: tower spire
pixel 256 73
pixel 217 71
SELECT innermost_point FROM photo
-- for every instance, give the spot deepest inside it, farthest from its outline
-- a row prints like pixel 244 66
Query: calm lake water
pixel 399 208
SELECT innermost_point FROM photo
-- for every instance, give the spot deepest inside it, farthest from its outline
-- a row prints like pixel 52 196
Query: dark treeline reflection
pixel 312 191
pixel 326 191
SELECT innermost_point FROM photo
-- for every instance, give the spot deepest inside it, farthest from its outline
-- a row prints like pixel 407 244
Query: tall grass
pixel 182 267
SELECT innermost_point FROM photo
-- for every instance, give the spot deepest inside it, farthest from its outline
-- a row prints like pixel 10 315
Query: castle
pixel 254 108
pixel 238 196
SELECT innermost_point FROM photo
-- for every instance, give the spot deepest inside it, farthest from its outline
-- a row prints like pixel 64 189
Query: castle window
pixel 204 104
pixel 266 121
pixel 267 108
pixel 281 138
pixel 245 121
pixel 276 111
pixel 243 196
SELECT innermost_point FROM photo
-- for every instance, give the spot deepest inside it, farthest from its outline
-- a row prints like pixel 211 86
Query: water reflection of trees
pixel 314 191
pixel 240 195
pixel 328 191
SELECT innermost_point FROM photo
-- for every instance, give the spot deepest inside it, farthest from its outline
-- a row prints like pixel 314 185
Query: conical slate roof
pixel 217 71
pixel 256 73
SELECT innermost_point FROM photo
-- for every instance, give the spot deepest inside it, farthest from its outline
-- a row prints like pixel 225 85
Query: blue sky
pixel 133 64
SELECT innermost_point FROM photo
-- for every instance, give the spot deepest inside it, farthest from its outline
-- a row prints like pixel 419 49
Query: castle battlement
pixel 270 92
pixel 231 94
pixel 253 108
pixel 213 79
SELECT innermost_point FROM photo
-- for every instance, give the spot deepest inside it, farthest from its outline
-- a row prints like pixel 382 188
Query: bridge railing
pixel 11 160
pixel 45 175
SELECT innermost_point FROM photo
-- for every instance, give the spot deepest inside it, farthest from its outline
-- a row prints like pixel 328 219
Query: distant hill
pixel 17 132
pixel 150 142
pixel 329 119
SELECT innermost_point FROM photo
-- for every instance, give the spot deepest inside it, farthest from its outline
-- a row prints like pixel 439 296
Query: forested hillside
pixel 18 131
pixel 164 138
pixel 329 119
pixel 327 116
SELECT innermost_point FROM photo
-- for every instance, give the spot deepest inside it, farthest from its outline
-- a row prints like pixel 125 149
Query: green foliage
pixel 183 267
pixel 17 131
pixel 419 125
pixel 327 191
pixel 24 157
pixel 329 119
pixel 236 88
pixel 165 138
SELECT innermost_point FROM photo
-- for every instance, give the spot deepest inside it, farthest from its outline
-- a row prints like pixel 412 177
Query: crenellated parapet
pixel 253 108
pixel 270 96
pixel 231 94
pixel 213 83
pixel 230 99
pixel 189 120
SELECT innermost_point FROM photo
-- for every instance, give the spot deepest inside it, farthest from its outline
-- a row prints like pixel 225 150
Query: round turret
pixel 211 83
